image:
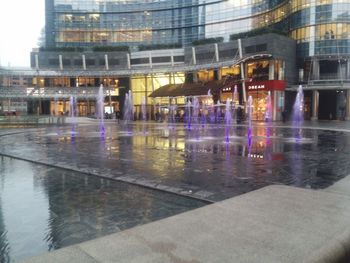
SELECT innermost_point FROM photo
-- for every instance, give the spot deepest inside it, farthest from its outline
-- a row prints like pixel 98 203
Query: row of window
pixel 171 35
pixel 322 14
pixel 329 47
pixel 148 7
pixel 322 32
pixel 297 5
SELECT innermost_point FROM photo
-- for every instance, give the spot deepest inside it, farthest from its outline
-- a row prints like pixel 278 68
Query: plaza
pixel 179 131
pixel 82 167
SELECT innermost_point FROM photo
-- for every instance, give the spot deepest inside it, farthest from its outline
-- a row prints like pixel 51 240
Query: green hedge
pixel 110 48
pixel 62 49
pixel 159 46
pixel 256 32
pixel 81 49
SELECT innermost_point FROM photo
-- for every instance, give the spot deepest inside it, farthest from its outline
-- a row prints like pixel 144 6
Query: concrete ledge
pixel 273 224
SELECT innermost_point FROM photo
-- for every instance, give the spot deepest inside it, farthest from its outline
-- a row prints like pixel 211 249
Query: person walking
pixel 117 115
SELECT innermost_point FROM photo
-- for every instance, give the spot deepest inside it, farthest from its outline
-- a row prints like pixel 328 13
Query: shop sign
pixel 266 85
pixel 256 87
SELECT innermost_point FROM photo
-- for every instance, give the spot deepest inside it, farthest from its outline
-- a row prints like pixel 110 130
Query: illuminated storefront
pixel 143 85
pixel 268 98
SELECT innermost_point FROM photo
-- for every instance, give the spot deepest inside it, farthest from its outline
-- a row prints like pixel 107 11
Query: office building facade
pixel 89 43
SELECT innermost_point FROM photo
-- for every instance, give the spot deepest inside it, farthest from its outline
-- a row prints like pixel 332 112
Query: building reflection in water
pixel 42 208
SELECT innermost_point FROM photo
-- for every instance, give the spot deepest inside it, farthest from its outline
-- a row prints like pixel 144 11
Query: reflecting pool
pixel 212 162
pixel 44 208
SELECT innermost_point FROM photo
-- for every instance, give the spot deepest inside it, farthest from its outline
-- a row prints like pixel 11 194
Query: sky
pixel 20 24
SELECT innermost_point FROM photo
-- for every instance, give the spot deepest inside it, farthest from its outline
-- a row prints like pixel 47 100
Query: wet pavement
pixel 202 162
pixel 56 188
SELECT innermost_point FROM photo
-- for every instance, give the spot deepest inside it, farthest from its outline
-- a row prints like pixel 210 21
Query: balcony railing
pixel 327 78
pixel 51 92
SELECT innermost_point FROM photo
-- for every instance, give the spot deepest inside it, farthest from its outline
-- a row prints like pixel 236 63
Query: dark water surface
pixel 43 208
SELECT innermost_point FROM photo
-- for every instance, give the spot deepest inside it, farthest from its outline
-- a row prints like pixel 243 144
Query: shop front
pixel 267 99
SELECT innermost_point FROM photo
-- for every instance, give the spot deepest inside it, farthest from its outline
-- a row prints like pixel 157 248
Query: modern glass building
pixel 147 44
pixel 321 27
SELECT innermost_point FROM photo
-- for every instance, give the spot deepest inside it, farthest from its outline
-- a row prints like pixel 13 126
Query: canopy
pixel 191 89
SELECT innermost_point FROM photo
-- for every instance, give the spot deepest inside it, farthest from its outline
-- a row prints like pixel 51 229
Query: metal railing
pixel 32 119
pixel 92 92
pixel 51 92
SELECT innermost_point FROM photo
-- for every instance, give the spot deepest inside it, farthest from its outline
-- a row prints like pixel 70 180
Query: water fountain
pixel 268 114
pixel 171 111
pixel 72 102
pixel 210 108
pixel 298 113
pixel 72 114
pixel 128 108
pixel 195 110
pixel 250 114
pixel 143 115
pixel 228 119
pixel 100 107
pixel 218 112
pixel 211 112
pixel 188 114
pixel 143 109
pixel 235 96
pixel 204 112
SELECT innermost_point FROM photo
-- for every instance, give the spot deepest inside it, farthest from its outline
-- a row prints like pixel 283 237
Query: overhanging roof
pixel 191 89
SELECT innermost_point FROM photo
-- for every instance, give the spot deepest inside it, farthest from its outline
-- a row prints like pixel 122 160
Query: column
pixel 219 74
pixel 277 104
pixel 128 60
pixel 274 100
pixel 84 62
pixel 36 61
pixel 150 59
pixel 60 61
pixel 106 62
pixel 347 114
pixel 242 70
pixel 315 69
pixel 195 77
pixel 194 60
pixel 64 106
pixel 315 102
pixel 348 69
pixel 39 107
pixel 216 52
pixel 148 113
pixel 271 69
pixel 172 58
pixel 88 110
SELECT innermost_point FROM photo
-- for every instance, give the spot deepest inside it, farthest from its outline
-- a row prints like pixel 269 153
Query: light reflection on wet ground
pixel 43 208
pixel 71 207
pixel 199 162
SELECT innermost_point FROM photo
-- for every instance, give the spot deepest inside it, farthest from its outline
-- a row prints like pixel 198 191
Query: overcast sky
pixel 20 26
